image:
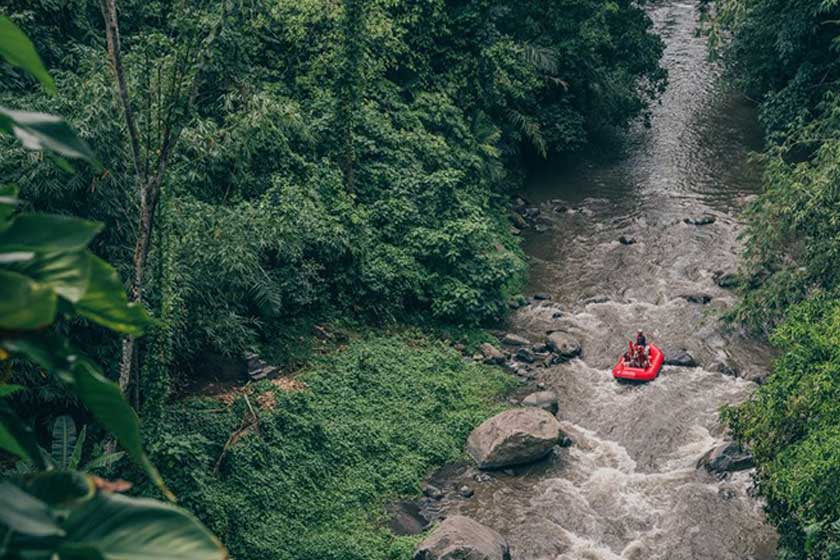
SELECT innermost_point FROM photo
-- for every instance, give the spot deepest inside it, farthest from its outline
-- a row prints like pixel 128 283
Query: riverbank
pixel 303 468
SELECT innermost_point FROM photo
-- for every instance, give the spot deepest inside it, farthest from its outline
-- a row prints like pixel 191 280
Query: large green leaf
pixel 63 440
pixel 18 438
pixel 23 513
pixel 8 202
pixel 122 528
pixel 106 402
pixel 59 489
pixel 25 304
pixel 76 456
pixel 67 273
pixel 105 301
pixel 45 132
pixel 46 233
pixel 19 51
pixel 101 396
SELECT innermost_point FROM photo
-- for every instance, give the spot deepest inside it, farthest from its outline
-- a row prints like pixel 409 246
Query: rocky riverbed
pixel 641 232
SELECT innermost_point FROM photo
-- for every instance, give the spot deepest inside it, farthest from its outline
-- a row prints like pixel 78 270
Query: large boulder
pixel 491 354
pixel 563 344
pixel 546 400
pixel 726 457
pixel 461 538
pixel 513 437
pixel 681 358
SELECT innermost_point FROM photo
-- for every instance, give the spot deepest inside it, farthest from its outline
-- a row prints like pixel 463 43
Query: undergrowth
pixel 311 482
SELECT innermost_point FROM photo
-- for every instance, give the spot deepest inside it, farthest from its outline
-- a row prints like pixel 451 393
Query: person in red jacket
pixel 641 340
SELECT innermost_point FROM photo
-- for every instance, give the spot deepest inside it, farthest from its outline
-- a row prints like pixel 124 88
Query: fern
pixel 530 129
pixel 543 59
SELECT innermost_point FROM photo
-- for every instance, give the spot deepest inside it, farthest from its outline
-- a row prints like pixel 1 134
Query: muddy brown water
pixel 628 488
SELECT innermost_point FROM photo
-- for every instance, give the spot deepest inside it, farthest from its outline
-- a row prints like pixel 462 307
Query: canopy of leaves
pixel 262 232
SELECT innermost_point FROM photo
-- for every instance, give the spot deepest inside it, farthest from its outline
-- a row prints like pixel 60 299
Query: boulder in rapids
pixel 726 368
pixel 513 437
pixel 681 358
pixel 625 240
pixel 546 400
pixel 700 220
pixel 726 457
pixel 461 538
pixel 563 344
pixel 701 299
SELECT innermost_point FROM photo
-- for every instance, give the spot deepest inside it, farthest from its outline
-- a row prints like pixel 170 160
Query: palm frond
pixel 530 129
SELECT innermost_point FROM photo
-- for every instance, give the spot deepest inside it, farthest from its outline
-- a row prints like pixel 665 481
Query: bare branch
pixel 112 36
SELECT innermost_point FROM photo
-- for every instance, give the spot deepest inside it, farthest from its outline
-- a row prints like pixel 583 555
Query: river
pixel 628 487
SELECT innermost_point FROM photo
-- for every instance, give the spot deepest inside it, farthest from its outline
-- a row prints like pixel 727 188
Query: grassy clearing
pixel 311 482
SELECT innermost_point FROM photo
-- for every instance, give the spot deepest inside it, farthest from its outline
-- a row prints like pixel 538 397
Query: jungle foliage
pixel 257 229
pixel 784 55
pixel 310 161
pixel 48 508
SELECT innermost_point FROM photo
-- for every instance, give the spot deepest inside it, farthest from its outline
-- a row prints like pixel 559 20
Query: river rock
pixel 726 280
pixel 517 301
pixel 531 212
pixel 540 347
pixel 546 400
pixel 515 231
pixel 491 354
pixel 511 339
pixel 406 518
pixel 432 492
pixel 542 296
pixel 701 299
pixel 625 240
pixel 513 437
pixel 725 368
pixel 466 492
pixel 563 344
pixel 525 355
pixel 727 457
pixel 757 377
pixel 700 220
pixel 461 538
pixel 519 222
pixel 681 358
pixel 541 228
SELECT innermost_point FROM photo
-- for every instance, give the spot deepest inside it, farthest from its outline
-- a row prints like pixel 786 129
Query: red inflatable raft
pixel 655 356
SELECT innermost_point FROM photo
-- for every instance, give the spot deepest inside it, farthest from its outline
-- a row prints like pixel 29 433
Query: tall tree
pixel 151 153
pixel 349 86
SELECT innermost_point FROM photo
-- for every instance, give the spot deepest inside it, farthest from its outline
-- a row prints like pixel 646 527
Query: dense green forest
pixel 274 174
pixel 784 56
